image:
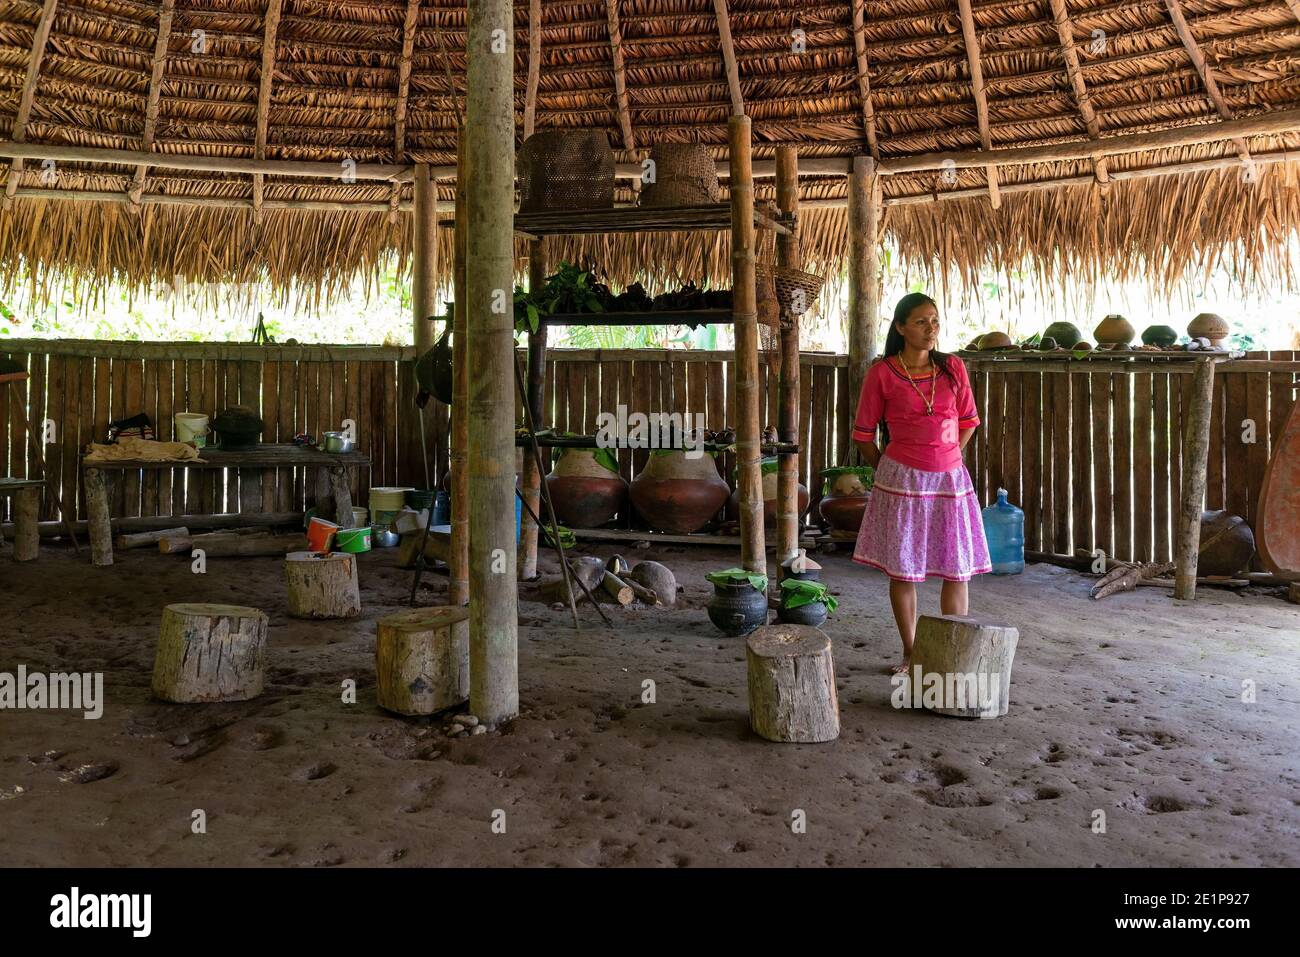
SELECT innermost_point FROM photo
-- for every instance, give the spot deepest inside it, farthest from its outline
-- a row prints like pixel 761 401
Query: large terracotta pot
pixel 770 472
pixel 677 494
pixel 848 490
pixel 1227 543
pixel 1114 329
pixel 586 494
pixel 1208 325
pixel 1066 334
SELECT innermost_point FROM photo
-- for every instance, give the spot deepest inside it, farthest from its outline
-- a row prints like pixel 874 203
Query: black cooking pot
pixel 237 427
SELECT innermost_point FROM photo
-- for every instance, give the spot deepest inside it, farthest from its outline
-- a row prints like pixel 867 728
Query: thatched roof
pixel 339 88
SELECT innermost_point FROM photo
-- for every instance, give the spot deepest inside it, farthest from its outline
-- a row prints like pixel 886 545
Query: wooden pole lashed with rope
pixel 788 255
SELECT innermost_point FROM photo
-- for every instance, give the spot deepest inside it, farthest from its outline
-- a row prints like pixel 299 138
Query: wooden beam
pixel 1263 124
pixel 865 214
pixel 1196 450
pixel 155 95
pixel 1065 33
pixel 1204 72
pixel 490 267
pixel 409 26
pixel 424 268
pixel 209 164
pixel 264 82
pixel 534 66
pixel 977 86
pixel 620 75
pixel 729 57
pixel 28 96
pixel 789 255
pixel 864 78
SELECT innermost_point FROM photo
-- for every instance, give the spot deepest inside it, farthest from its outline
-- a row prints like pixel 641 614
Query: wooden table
pixel 332 492
pixel 27 506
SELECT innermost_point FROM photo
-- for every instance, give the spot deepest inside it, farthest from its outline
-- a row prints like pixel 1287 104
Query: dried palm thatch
pixel 381 81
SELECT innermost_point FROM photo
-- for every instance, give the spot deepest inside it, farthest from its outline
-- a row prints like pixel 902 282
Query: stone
pixel 479 729
pixel 468 720
pixel 454 730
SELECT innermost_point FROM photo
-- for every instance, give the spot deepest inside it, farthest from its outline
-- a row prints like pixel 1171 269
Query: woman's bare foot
pixel 903 668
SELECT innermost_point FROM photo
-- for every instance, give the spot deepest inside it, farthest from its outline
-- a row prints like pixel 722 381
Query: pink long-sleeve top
pixel 927 442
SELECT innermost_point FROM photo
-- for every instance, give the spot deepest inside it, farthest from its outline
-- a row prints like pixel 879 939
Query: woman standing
pixel 923 518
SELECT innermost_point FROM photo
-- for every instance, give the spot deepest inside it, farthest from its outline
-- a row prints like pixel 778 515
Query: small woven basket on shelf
pixel 561 170
pixel 795 291
pixel 684 175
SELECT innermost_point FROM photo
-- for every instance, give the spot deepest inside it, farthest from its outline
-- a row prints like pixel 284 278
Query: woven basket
pixel 796 291
pixel 685 175
pixel 561 170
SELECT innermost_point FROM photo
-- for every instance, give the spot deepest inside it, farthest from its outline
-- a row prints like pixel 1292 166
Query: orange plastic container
pixel 320 534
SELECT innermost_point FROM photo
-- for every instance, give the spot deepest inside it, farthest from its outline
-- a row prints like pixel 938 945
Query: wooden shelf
pixel 589 442
pixel 687 317
pixel 634 219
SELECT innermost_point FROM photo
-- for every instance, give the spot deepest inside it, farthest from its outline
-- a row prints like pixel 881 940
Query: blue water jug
pixel 1004 528
pixel 442 508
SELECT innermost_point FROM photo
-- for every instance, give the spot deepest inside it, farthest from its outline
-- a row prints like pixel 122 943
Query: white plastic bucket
pixel 190 425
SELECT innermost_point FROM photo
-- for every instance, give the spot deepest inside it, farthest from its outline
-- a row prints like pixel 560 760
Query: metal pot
pixel 384 537
pixel 337 442
pixel 237 427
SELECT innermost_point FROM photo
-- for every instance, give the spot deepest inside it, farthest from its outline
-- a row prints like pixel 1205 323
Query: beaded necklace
pixel 934 380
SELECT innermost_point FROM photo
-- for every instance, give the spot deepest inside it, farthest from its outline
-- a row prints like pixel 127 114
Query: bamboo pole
pixel 534 65
pixel 620 75
pixel 40 37
pixel 425 267
pixel 745 307
pixel 490 136
pixel 729 65
pixel 1065 35
pixel 971 39
pixel 788 254
pixel 1196 454
pixel 864 279
pixel 165 15
pixel 458 565
pixel 531 483
pixel 864 76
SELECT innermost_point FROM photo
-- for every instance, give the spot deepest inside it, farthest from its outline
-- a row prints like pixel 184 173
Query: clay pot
pixel 1047 344
pixel 677 494
pixel 1209 325
pixel 585 493
pixel 845 499
pixel 1066 334
pixel 995 340
pixel 1227 543
pixel 814 613
pixel 1114 329
pixel 737 609
pixel 769 496
pixel 1162 336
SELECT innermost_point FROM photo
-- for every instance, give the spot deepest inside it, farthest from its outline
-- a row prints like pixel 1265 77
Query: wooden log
pixel 971 662
pixel 788 254
pixel 251 546
pixel 531 483
pixel 422 660
pixel 341 496
pixel 1293 593
pixel 458 563
pixel 424 269
pixel 322 586
pixel 27 507
pixel 140 539
pixel 792 693
pixel 1196 447
pixel 1124 578
pixel 490 141
pixel 617 589
pixel 210 653
pixel 99 530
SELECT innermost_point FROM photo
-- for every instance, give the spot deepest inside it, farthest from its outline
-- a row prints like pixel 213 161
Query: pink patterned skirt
pixel 920 523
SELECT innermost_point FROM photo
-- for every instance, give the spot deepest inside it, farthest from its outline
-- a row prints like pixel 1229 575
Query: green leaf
pixel 797 592
pixel 736 576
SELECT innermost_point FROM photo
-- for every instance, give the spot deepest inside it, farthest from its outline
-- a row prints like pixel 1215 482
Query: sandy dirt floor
pixel 1132 706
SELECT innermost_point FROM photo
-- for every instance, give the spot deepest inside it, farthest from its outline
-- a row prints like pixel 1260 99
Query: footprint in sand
pixel 318 771
pixel 85 773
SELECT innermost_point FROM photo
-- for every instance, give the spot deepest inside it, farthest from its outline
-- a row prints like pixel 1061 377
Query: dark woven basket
pixel 561 170
pixel 685 175
pixel 789 283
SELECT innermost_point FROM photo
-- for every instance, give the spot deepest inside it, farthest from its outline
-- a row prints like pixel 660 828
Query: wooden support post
pixel 864 281
pixel 531 483
pixel 1196 455
pixel 490 138
pixel 792 695
pixel 27 539
pixel 961 666
pixel 424 269
pixel 210 653
pixel 422 660
pixel 458 565
pixel 753 552
pixel 788 254
pixel 99 528
pixel 341 496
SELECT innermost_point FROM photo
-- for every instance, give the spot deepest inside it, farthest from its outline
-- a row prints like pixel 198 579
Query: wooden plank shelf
pixel 665 317
pixel 635 219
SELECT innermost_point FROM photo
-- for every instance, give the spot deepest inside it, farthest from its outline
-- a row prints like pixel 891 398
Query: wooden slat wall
pixel 1099 456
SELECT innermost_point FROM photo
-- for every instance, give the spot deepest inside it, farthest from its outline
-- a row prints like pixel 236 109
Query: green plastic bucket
pixel 352 539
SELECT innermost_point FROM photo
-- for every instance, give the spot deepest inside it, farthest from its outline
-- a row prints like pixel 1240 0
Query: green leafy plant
pixel 866 475
pixel 567 538
pixel 738 576
pixel 603 457
pixel 796 592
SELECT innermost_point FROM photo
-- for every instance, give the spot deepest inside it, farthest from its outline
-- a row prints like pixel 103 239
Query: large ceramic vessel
pixel 586 492
pixel 848 490
pixel 737 609
pixel 770 481
pixel 677 494
pixel 1209 325
pixel 1114 329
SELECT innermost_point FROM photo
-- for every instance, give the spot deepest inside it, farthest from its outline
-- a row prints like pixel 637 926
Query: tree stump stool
pixel 26 494
pixel 322 586
pixel 210 653
pixel 971 664
pixel 792 684
pixel 422 660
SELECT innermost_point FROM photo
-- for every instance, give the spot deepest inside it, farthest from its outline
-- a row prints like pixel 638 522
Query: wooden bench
pixel 333 496
pixel 27 505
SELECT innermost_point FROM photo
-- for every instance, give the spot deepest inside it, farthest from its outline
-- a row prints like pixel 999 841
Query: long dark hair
pixel 894 343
